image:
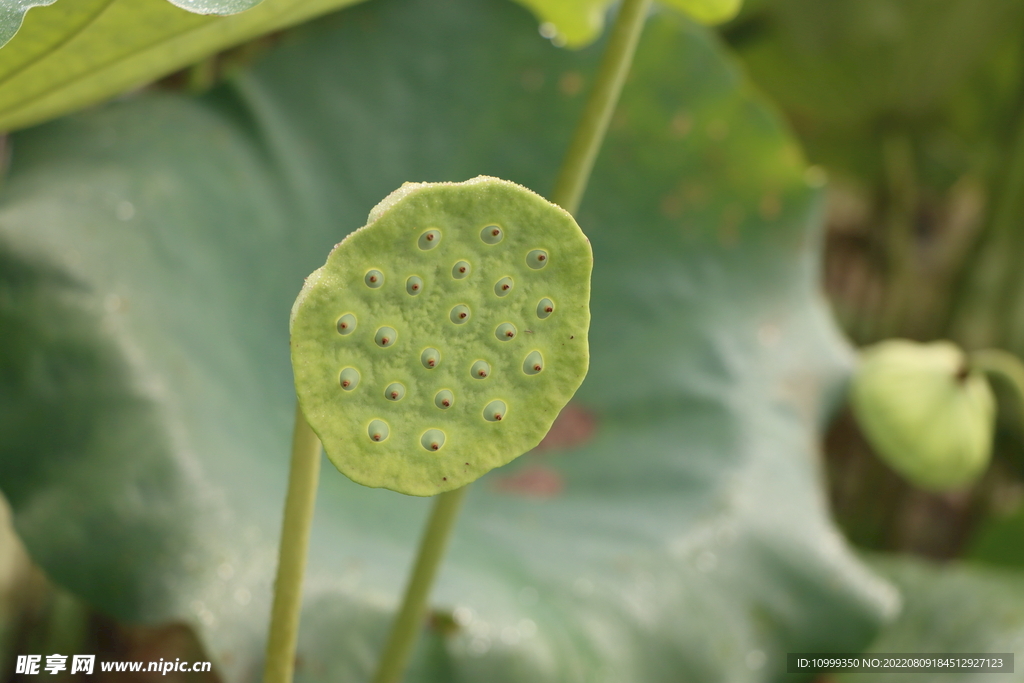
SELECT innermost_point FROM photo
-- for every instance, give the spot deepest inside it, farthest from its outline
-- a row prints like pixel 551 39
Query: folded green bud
pixel 925 412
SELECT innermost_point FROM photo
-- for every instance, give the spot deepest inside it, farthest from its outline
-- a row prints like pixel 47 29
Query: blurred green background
pixel 808 177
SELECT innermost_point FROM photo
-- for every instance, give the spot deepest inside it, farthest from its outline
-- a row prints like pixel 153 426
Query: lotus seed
pixel 444 399
pixel 481 369
pixel 545 308
pixel 430 239
pixel 386 337
pixel 395 391
pixel 349 379
pixel 505 331
pixel 374 279
pixel 534 363
pixel 459 314
pixel 537 259
pixel 495 411
pixel 432 439
pixel 346 324
pixel 503 286
pixel 491 234
pixel 430 358
pixel 460 271
pixel 414 285
pixel 378 430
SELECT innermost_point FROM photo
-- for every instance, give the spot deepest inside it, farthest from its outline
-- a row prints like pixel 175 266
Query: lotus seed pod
pixel 447 386
pixel 924 412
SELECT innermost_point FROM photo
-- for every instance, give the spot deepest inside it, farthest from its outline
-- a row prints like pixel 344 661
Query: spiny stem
pixel 569 187
pixel 1004 365
pixel 406 627
pixel 590 131
pixel 291 566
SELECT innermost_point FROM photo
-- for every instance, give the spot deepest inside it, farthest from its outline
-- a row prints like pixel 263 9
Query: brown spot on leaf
pixel 534 481
pixel 443 622
pixel 680 125
pixel 574 427
pixel 770 206
pixel 672 205
pixel 571 83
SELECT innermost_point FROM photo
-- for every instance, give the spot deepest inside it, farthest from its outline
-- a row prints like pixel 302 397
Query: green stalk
pixel 1004 366
pixel 569 187
pixel 291 565
pixel 406 628
pixel 593 124
pixel 899 250
pixel 985 292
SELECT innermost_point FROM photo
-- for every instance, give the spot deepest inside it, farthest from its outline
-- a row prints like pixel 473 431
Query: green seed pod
pixel 461 336
pixel 928 416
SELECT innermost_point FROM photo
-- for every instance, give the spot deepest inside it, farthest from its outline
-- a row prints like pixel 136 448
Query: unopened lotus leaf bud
pixel 421 355
pixel 925 412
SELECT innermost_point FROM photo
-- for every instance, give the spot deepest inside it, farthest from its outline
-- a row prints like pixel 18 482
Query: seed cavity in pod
pixel 347 324
pixel 461 270
pixel 492 234
pixel 495 411
pixel 480 370
pixel 503 286
pixel 537 259
pixel 430 239
pixel 374 279
pixel 444 399
pixel 385 337
pixel 534 363
pixel 430 358
pixel 395 391
pixel 545 308
pixel 459 314
pixel 349 379
pixel 414 285
pixel 378 430
pixel 432 439
pixel 505 332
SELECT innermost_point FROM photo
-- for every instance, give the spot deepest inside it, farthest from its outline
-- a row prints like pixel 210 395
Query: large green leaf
pixel 12 12
pixel 957 608
pixel 151 252
pixel 78 52
pixel 74 53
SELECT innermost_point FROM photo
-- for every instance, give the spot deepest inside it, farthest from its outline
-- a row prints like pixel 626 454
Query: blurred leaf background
pixel 704 506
